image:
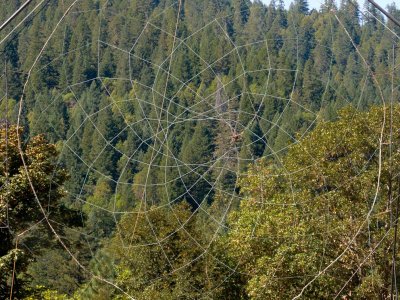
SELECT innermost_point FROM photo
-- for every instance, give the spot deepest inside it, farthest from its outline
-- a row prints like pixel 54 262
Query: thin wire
pixel 6 125
pixel 386 13
pixel 6 168
pixel 393 279
pixel 394 283
pixel 15 14
pixel 24 19
pixel 14 269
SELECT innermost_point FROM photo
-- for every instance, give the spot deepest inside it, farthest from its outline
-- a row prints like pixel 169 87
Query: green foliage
pixel 197 157
pixel 42 293
pixel 23 221
pixel 110 125
pixel 173 267
pixel 98 209
pixel 290 227
pixel 245 80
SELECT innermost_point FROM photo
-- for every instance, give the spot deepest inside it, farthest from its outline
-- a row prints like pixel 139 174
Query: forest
pixel 214 149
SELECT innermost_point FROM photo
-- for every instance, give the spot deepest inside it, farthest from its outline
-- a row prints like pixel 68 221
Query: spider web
pixel 213 108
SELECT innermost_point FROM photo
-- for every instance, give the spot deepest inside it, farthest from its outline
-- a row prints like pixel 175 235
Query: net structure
pixel 156 108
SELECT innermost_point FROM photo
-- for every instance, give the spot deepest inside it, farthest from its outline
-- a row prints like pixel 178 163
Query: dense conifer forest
pixel 214 149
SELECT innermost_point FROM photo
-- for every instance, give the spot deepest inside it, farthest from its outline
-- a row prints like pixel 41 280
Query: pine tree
pixel 240 15
pixel 301 6
pixel 197 155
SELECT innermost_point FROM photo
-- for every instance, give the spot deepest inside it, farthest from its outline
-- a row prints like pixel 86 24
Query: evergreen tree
pixel 240 14
pixel 301 6
pixel 197 155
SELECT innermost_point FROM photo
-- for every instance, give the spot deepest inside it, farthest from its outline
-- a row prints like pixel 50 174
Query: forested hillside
pixel 216 149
